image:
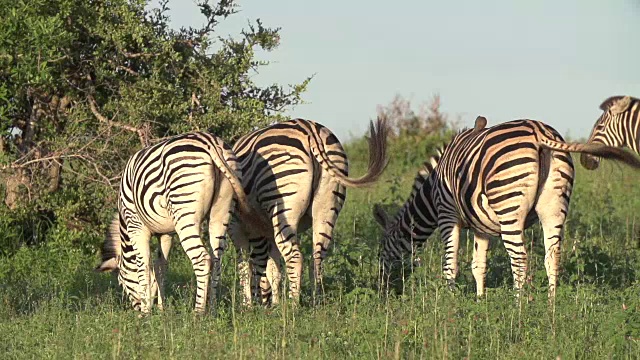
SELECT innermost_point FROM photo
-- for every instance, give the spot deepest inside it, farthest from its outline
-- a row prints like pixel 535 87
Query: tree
pixel 406 122
pixel 83 84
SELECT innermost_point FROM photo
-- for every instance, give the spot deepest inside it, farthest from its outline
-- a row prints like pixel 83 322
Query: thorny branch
pixel 142 133
pixel 128 70
pixel 194 102
pixel 137 55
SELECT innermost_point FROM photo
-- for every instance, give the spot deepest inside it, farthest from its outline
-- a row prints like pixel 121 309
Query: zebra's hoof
pixel 453 287
pixel 143 315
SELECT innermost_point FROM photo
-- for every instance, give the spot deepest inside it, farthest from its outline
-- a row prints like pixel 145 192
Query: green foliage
pixel 54 306
pixel 84 84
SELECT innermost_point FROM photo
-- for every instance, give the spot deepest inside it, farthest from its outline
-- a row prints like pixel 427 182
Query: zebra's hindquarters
pixel 552 208
pixel 171 186
pixel 296 171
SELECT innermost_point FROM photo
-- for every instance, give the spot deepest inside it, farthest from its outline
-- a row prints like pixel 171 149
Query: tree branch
pixel 142 133
pixel 55 157
pixel 194 102
pixel 129 55
pixel 132 72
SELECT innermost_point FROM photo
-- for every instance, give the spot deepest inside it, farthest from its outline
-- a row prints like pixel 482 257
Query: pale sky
pixel 550 60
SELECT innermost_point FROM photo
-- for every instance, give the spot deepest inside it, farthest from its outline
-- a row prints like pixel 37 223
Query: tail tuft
pixel 378 160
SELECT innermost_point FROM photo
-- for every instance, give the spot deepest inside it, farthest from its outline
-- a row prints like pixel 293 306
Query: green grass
pixel 54 306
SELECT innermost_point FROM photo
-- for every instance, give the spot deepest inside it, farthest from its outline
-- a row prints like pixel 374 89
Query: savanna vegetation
pixel 83 84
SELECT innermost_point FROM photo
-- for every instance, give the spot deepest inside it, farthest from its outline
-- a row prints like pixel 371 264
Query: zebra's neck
pixel 632 137
pixel 626 128
pixel 417 219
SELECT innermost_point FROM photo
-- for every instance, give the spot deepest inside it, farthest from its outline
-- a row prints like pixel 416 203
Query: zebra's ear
pixel 380 215
pixel 610 101
pixel 107 265
pixel 620 105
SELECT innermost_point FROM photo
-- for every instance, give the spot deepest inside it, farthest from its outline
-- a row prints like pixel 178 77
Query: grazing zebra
pixel 296 172
pixel 173 186
pixel 496 181
pixel 618 126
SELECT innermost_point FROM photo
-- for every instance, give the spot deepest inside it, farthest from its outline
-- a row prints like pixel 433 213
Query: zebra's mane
pixel 426 170
pixel 429 165
pixel 421 177
pixel 612 100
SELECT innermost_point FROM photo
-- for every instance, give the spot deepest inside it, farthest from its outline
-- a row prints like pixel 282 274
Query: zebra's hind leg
pixel 287 241
pixel 511 199
pixel 552 208
pixel 140 240
pixel 513 240
pixel 285 224
pixel 270 285
pixel 329 199
pixel 286 211
pixel 243 265
pixel 244 270
pixel 552 227
pixel 255 286
pixel 479 263
pixel 450 230
pixel 188 229
pixel 251 261
pixel 219 217
pixel 160 269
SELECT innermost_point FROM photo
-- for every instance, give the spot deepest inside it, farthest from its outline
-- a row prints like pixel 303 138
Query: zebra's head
pixel 387 256
pixel 397 245
pixel 113 261
pixel 610 127
pixel 393 253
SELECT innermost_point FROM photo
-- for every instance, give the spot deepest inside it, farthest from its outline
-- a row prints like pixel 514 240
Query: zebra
pixel 619 125
pixel 173 186
pixel 295 173
pixel 496 181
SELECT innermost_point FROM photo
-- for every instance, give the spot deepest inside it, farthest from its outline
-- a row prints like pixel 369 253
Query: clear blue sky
pixel 550 60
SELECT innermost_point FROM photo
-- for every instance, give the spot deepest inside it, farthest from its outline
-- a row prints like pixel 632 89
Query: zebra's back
pixel 486 173
pixel 174 174
pixel 277 161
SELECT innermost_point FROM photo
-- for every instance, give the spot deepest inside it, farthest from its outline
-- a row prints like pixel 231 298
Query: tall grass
pixel 54 306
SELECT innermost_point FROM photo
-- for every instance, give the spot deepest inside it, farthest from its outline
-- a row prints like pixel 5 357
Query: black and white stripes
pixel 619 126
pixel 496 181
pixel 173 186
pixel 296 173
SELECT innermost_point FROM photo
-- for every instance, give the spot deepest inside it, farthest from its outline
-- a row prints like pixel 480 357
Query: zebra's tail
pixel 217 153
pixel 111 247
pixel 377 157
pixel 595 149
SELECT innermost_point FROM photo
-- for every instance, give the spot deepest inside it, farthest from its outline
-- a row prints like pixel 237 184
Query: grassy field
pixel 54 306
